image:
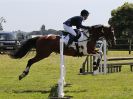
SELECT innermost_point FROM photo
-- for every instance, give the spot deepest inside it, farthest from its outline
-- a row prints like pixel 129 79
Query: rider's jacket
pixel 75 21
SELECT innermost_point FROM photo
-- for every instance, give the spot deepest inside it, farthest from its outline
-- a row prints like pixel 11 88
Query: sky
pixel 30 15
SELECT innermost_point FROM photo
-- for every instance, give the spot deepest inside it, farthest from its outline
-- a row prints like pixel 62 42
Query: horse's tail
pixel 24 48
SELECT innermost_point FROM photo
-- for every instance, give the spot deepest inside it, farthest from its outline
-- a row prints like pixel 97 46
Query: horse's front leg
pixel 97 60
pixel 26 71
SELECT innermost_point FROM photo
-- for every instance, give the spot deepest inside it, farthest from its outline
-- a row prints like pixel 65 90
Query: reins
pixel 88 38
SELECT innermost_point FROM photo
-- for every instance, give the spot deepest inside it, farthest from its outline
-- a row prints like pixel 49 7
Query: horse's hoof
pixel 23 75
pixel 20 77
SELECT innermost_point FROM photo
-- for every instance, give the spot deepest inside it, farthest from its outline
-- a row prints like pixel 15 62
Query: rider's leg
pixel 72 34
pixel 69 29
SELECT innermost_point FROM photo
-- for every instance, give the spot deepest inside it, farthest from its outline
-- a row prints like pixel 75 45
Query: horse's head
pixel 98 31
pixel 108 33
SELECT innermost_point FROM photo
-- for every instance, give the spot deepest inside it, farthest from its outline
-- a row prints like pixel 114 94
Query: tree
pixel 122 20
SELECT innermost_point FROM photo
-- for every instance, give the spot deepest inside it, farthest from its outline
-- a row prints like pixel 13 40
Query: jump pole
pixel 62 68
pixel 105 56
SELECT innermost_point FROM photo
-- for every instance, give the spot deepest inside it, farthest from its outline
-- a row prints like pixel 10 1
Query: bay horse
pixel 47 44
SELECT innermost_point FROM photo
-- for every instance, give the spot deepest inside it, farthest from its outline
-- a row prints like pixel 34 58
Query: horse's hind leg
pixel 37 58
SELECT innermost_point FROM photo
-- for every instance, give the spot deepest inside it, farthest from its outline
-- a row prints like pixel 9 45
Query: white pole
pixel 61 80
pixel 105 57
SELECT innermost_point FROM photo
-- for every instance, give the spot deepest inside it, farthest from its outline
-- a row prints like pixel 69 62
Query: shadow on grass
pixel 31 91
pixel 77 91
pixel 53 92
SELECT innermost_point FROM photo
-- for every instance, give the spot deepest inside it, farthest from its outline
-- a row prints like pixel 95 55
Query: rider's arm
pixel 79 25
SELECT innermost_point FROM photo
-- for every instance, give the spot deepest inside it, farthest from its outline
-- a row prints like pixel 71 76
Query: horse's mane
pixel 97 26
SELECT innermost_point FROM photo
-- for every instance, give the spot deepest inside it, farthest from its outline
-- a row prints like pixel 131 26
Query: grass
pixel 43 77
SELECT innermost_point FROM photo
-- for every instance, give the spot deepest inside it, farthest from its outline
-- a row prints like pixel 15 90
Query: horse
pixel 47 44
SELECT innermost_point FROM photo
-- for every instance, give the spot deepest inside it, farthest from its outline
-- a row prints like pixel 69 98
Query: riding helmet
pixel 84 13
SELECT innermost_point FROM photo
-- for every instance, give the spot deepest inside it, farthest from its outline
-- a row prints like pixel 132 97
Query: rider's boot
pixel 71 39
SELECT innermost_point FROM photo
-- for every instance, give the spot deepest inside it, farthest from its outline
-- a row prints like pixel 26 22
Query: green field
pixel 43 77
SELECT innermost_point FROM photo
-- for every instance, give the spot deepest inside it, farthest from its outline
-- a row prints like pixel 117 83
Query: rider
pixel 75 21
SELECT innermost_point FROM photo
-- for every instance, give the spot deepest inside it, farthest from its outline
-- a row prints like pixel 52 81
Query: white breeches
pixel 69 29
